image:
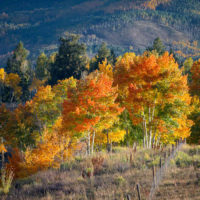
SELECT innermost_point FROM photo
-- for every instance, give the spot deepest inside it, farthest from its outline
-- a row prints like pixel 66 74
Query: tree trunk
pixel 108 145
pixel 151 118
pixel 88 144
pixel 143 134
pixel 127 142
pixel 145 131
pixel 93 137
pixel 12 97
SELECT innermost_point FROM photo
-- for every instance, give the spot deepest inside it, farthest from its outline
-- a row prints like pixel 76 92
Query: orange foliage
pixel 150 83
pixel 152 4
pixel 89 102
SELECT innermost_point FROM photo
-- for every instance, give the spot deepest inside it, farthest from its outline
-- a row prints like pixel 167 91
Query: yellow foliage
pixel 61 89
pixel 106 68
pixel 113 136
pixel 2 148
pixel 13 80
pixel 2 74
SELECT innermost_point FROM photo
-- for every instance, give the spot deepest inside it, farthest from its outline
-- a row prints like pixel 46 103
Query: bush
pixel 119 180
pixel 195 150
pixel 66 166
pixel 79 159
pixel 155 161
pixel 6 180
pixel 183 159
pixel 196 161
pixel 97 163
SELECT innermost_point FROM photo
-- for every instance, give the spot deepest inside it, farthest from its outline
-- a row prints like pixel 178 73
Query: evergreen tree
pixel 102 54
pixel 71 59
pixel 176 57
pixel 19 64
pixel 42 67
pixel 113 58
pixel 157 46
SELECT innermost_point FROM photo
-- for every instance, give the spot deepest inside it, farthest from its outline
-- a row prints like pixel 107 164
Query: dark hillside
pixel 120 23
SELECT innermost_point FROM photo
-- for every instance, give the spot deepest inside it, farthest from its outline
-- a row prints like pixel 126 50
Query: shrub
pixel 183 159
pixel 195 150
pixel 89 172
pixel 6 180
pixel 156 161
pixel 79 159
pixel 119 180
pixel 196 161
pixel 67 166
pixel 97 163
pixel 146 157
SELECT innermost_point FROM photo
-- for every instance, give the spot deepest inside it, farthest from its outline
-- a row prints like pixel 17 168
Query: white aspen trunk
pixel 149 145
pixel 145 129
pixel 93 137
pixel 12 97
pixel 143 134
pixel 151 118
pixel 153 140
pixel 154 136
pixel 88 144
pixel 144 142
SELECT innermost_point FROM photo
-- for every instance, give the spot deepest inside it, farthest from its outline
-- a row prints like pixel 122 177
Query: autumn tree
pixel 156 95
pixel 47 102
pixel 19 127
pixel 10 91
pixel 195 91
pixel 45 107
pixel 195 84
pixel 89 105
pixel 2 78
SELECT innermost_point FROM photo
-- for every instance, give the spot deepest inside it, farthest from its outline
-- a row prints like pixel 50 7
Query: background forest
pixel 125 25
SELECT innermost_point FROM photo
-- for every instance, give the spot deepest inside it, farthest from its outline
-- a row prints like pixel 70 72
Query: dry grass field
pixel 114 176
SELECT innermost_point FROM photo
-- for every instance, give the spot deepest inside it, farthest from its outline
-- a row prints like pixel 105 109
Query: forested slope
pixel 122 24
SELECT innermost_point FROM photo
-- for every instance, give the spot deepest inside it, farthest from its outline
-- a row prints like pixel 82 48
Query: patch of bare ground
pixel 141 33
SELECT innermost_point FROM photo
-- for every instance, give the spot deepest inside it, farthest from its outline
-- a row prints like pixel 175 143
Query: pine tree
pixel 103 54
pixel 70 60
pixel 157 46
pixel 42 67
pixel 19 64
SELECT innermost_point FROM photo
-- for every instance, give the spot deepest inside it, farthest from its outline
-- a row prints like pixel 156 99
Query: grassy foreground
pixel 114 176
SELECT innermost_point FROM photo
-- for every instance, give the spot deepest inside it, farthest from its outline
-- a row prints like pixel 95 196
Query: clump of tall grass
pixel 6 180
